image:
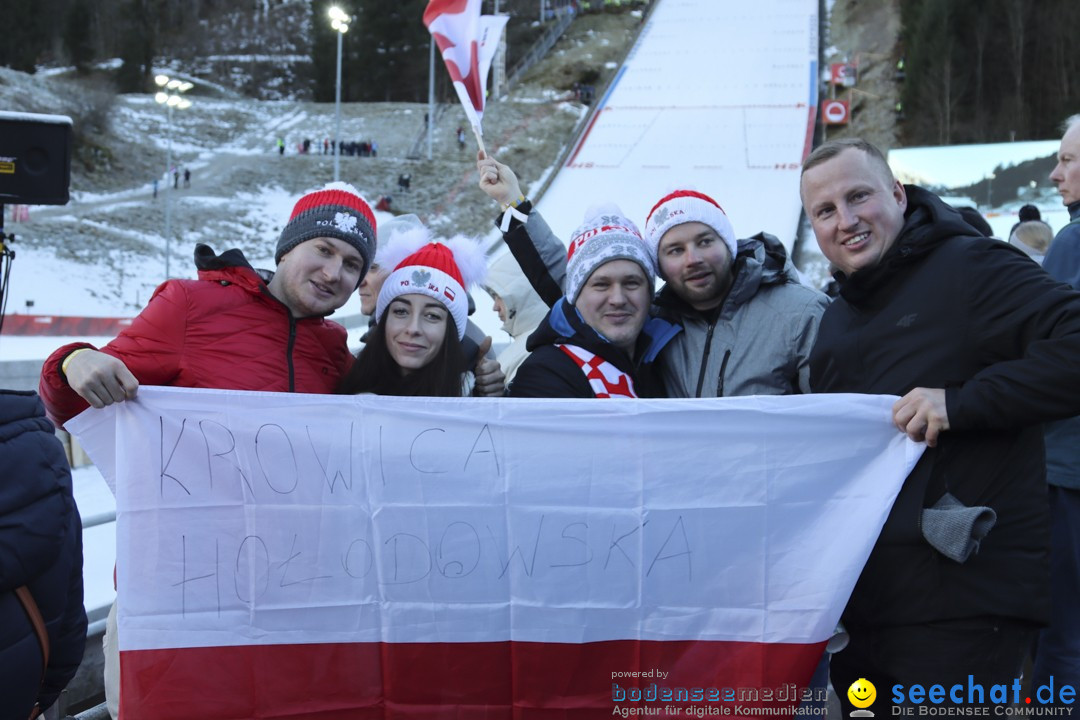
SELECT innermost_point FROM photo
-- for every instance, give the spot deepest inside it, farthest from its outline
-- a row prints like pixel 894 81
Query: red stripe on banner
pixel 62 325
pixel 456 680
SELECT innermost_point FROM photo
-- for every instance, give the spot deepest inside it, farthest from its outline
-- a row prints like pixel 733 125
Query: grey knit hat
pixel 335 211
pixel 605 235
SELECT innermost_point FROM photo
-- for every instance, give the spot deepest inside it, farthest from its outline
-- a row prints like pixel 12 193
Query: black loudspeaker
pixel 35 158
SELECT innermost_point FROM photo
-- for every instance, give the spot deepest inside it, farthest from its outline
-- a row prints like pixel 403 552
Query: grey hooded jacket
pixel 757 343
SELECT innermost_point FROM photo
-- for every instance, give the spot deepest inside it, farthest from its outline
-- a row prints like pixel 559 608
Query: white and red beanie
pixel 605 235
pixel 441 270
pixel 685 206
pixel 335 211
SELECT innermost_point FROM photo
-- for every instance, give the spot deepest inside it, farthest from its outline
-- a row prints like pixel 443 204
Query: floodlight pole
pixel 337 113
pixel 431 98
pixel 168 185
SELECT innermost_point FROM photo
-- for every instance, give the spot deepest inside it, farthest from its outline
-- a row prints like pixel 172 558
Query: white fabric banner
pixel 266 518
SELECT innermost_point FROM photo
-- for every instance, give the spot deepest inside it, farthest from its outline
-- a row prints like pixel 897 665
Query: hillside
pixel 242 189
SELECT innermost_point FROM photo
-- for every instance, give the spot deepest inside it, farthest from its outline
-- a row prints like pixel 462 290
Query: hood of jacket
pixel 761 260
pixel 524 308
pixel 232 267
pixel 928 222
pixel 564 324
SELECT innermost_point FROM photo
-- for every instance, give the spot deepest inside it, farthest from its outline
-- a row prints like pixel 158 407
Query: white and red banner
pixel 467 41
pixel 301 556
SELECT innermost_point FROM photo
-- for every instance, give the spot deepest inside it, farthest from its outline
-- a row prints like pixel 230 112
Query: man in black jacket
pixel 592 343
pixel 981 345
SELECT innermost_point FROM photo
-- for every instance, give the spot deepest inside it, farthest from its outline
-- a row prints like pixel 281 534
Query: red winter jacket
pixel 224 330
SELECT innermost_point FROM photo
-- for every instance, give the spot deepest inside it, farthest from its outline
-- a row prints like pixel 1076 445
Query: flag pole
pixel 479 138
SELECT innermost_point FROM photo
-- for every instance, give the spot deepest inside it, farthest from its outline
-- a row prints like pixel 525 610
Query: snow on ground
pixel 961 165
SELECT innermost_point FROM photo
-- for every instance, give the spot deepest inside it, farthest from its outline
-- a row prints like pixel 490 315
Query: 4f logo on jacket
pixel 907 321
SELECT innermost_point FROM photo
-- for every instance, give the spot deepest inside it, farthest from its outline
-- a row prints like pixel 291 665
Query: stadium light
pixel 339 21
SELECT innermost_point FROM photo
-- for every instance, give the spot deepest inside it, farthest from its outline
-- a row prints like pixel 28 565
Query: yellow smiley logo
pixel 862 693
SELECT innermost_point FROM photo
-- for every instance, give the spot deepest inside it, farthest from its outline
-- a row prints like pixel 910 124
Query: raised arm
pixel 541 255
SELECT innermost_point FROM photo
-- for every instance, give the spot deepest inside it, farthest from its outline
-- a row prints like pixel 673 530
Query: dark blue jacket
pixel 40 546
pixel 1063 436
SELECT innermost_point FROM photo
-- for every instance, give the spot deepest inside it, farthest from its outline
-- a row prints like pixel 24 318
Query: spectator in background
pixel 1033 237
pixel 187 177
pixel 1027 213
pixel 41 586
pixel 519 307
pixel 1058 650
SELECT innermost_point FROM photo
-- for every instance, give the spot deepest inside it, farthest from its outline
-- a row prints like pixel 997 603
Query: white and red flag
pixel 467 41
pixel 299 557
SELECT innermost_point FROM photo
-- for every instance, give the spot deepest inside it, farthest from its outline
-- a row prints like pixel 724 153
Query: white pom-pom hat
pixel 443 271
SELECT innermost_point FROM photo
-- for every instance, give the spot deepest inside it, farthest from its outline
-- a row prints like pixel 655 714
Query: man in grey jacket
pixel 748 324
pixel 1058 652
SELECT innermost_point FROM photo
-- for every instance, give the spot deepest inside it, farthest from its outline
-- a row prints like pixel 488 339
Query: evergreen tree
pixel 30 32
pixel 324 50
pixel 77 39
pixel 137 50
pixel 988 70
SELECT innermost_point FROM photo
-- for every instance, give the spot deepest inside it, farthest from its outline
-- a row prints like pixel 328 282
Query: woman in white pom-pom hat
pixel 415 346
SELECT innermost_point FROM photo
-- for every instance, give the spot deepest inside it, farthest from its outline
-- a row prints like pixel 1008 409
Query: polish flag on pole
pixel 305 557
pixel 467 41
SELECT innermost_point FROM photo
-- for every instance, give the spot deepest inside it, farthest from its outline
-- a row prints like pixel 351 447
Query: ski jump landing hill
pixel 718 96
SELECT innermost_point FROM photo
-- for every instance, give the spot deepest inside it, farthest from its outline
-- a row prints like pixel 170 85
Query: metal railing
pixel 421 137
pixel 98 712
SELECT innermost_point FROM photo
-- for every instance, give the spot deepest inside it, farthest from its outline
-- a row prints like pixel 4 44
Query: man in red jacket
pixel 234 328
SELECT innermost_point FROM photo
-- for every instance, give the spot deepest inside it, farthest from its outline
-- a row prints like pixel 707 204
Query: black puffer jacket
pixel 41 547
pixel 973 315
pixel 549 372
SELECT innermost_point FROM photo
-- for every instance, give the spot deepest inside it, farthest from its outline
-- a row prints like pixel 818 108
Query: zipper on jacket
pixel 705 359
pixel 723 368
pixel 289 352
